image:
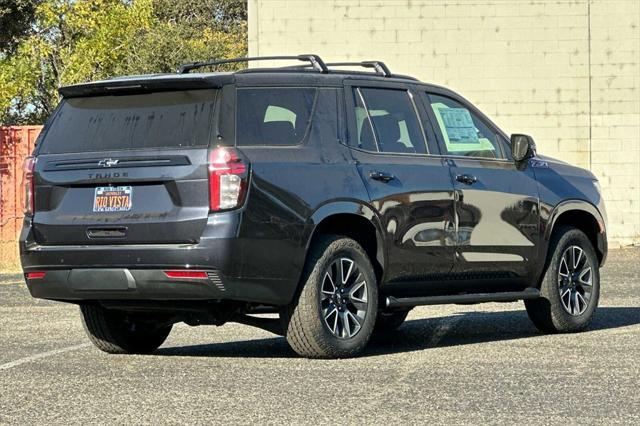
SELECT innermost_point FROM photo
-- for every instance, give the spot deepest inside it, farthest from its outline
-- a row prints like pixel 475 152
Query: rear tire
pixel 390 321
pixel 334 314
pixel 570 287
pixel 115 333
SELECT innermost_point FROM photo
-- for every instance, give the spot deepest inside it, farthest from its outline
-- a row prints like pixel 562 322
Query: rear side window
pixel 386 119
pixel 273 116
pixel 154 120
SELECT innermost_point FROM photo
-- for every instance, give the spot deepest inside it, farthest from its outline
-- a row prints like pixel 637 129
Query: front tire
pixel 570 287
pixel 335 312
pixel 116 333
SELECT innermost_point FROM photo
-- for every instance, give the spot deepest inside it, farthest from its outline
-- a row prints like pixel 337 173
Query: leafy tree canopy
pixel 50 43
pixel 16 17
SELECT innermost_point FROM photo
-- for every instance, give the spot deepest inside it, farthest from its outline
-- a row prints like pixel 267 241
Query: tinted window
pixel 395 124
pixel 365 138
pixel 464 133
pixel 154 120
pixel 273 116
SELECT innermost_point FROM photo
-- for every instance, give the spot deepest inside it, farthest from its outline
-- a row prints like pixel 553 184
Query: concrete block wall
pixel 565 71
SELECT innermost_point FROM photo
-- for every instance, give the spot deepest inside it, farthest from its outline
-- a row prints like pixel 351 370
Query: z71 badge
pixel 540 164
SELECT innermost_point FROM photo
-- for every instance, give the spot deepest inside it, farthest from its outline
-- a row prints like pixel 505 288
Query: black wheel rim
pixel 575 280
pixel 344 298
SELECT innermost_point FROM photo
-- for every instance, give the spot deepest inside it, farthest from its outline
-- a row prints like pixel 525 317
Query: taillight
pixel 37 275
pixel 27 181
pixel 181 273
pixel 228 176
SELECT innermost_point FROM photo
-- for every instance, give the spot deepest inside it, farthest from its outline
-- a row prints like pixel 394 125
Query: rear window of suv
pixel 180 119
pixel 273 116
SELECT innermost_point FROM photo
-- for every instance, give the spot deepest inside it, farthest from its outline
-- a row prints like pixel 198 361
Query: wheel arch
pixel 581 215
pixel 354 220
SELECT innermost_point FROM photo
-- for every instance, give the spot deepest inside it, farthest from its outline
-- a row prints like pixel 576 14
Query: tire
pixel 313 329
pixel 555 314
pixel 390 321
pixel 113 332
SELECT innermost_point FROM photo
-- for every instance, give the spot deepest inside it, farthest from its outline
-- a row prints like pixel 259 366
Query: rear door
pixel 125 169
pixel 410 189
pixel 497 199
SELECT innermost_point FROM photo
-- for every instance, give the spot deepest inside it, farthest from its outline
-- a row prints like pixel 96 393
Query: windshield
pixel 180 119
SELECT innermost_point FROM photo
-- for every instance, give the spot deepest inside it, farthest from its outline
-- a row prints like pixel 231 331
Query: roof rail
pixel 314 61
pixel 379 66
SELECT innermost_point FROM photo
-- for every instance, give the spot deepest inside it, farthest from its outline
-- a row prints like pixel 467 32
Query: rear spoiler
pixel 146 84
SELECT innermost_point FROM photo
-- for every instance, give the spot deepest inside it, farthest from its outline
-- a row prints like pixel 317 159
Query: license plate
pixel 112 199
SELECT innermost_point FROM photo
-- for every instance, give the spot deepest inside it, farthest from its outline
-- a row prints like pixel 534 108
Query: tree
pixel 73 41
pixel 16 18
pixel 199 14
pixel 187 31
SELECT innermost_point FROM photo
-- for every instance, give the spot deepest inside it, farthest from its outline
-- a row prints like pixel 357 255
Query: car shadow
pixel 421 334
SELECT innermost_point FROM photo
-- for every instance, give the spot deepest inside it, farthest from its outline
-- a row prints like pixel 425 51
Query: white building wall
pixel 565 71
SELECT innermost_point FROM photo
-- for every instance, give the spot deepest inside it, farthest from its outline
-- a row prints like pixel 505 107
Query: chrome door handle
pixel 382 176
pixel 467 179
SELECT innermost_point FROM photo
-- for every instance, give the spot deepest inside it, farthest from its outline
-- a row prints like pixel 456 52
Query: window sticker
pixel 459 132
pixel 459 125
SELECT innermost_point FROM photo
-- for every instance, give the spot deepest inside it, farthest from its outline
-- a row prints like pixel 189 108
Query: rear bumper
pixel 135 272
pixel 126 283
pixel 93 284
pixel 123 283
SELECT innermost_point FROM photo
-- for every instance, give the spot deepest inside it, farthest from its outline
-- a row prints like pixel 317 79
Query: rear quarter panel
pixel 288 185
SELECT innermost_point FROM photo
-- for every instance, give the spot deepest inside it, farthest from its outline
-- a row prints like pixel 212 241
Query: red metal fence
pixel 16 143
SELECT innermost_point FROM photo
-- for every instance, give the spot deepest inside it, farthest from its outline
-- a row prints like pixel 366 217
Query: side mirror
pixel 522 147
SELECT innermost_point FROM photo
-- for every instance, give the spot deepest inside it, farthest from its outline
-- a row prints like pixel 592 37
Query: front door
pixel 496 199
pixel 410 189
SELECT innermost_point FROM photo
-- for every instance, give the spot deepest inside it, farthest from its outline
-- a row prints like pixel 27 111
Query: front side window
pixel 463 132
pixel 386 121
pixel 273 116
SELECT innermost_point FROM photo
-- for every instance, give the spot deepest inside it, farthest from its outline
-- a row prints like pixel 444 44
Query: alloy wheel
pixel 343 298
pixel 575 280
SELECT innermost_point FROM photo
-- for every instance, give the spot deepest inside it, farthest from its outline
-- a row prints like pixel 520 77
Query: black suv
pixel 336 199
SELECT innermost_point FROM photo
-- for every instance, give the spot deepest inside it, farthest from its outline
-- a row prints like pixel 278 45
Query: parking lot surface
pixel 472 364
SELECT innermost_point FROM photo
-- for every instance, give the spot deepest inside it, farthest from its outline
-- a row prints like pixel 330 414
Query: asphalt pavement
pixel 469 364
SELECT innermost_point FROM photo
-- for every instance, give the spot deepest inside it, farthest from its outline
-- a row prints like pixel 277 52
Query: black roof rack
pixel 379 66
pixel 314 61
